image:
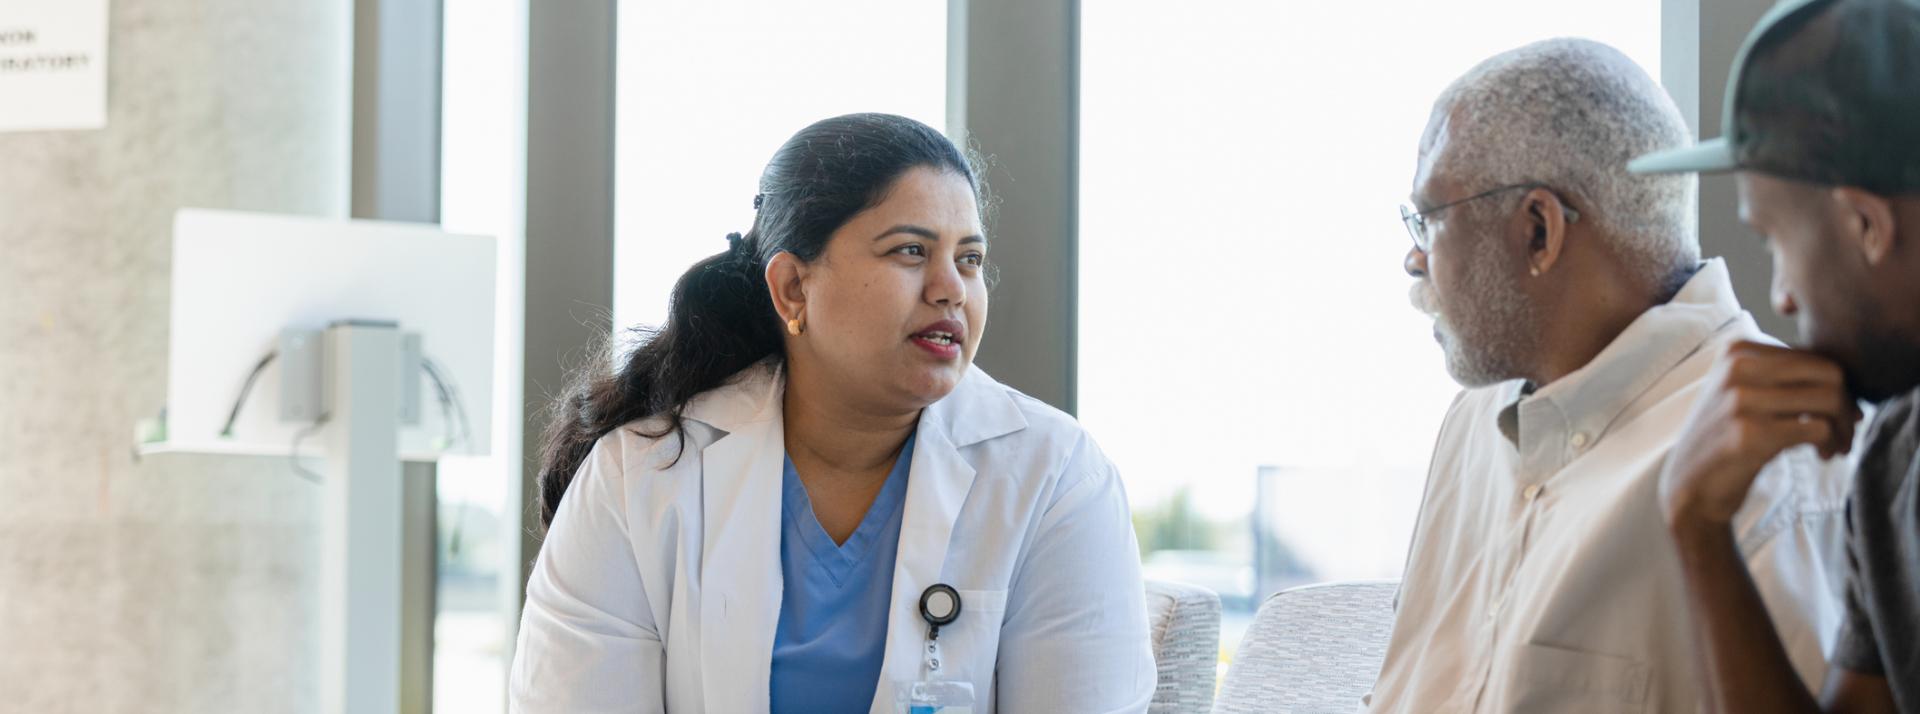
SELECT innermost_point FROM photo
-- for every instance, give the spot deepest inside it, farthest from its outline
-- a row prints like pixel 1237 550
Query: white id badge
pixel 929 694
pixel 934 697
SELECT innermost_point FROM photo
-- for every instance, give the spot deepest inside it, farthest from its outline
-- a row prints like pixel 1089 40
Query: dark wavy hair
pixel 721 318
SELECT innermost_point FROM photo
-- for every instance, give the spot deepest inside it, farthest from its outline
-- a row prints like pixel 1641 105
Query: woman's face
pixel 894 308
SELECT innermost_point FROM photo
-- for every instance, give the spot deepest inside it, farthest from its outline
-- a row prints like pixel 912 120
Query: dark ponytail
pixel 721 318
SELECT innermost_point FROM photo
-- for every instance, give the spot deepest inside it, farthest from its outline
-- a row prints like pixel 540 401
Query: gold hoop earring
pixel 793 327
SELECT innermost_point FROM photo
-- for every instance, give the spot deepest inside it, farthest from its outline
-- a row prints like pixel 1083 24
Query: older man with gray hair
pixel 1571 301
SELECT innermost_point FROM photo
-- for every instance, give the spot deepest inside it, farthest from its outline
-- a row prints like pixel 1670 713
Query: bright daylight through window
pixel 1246 347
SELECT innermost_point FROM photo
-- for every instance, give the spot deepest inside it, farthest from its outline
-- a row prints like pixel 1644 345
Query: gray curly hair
pixel 1570 113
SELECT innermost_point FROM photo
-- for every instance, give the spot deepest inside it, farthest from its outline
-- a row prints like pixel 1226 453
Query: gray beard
pixel 1486 329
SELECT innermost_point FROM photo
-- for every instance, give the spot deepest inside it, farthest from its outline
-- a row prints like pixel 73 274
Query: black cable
pixel 446 400
pixel 293 451
pixel 451 390
pixel 466 437
pixel 450 405
pixel 245 389
pixel 446 417
pixel 450 393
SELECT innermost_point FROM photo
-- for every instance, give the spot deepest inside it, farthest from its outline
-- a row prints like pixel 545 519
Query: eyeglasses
pixel 1416 221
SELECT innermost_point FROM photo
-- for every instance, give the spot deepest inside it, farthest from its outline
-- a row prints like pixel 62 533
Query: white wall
pixel 175 584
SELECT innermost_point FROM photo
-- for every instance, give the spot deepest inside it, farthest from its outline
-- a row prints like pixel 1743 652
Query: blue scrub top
pixel 833 610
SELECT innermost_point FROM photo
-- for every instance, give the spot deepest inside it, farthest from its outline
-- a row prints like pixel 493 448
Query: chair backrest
pixel 1185 622
pixel 1311 649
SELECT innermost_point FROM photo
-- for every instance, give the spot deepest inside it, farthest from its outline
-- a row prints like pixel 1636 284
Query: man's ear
pixel 1545 222
pixel 1869 218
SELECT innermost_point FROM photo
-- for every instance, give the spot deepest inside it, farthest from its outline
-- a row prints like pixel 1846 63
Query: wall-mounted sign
pixel 53 64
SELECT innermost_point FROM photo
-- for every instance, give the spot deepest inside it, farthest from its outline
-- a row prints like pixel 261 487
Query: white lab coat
pixel 658 587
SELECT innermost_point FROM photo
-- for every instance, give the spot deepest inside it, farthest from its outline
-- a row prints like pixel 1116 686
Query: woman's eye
pixel 974 259
pixel 913 249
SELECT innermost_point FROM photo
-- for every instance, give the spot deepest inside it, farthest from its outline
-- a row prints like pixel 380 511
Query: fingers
pixel 1825 402
pixel 1772 435
pixel 1769 383
pixel 1752 363
pixel 1761 401
pixel 1767 437
pixel 1825 435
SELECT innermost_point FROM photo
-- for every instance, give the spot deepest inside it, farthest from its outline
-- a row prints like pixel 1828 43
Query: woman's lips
pixel 941 339
pixel 940 345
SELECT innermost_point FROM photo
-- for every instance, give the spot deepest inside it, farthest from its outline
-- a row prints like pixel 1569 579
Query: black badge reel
pixel 933 693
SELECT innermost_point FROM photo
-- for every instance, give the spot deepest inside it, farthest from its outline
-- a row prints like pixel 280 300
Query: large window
pixel 1247 354
pixel 483 131
pixel 708 90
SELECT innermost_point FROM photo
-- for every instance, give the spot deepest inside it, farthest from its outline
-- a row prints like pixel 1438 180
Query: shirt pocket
pixel 989 605
pixel 971 645
pixel 1556 679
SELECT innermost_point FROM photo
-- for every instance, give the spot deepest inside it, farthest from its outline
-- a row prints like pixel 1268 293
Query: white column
pixel 360 523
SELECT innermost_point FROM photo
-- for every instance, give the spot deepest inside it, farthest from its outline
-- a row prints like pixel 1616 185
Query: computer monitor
pixel 241 280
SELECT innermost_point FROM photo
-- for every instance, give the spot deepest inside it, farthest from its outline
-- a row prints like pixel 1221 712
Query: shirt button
pixel 1580 440
pixel 1531 493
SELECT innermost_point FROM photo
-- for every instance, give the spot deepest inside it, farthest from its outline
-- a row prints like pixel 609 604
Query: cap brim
pixel 1710 156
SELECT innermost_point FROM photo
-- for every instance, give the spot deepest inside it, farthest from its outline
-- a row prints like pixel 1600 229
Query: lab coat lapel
pixel 937 485
pixel 740 581
pixel 740 560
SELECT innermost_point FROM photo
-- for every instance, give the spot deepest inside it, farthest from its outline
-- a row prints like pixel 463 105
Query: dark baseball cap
pixel 1823 91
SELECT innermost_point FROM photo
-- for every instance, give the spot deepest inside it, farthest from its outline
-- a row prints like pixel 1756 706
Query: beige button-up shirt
pixel 1541 577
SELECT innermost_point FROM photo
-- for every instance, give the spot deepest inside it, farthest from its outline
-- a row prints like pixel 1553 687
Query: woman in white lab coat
pixel 748 514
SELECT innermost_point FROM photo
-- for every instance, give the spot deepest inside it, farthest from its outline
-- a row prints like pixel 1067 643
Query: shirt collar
pixel 1556 422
